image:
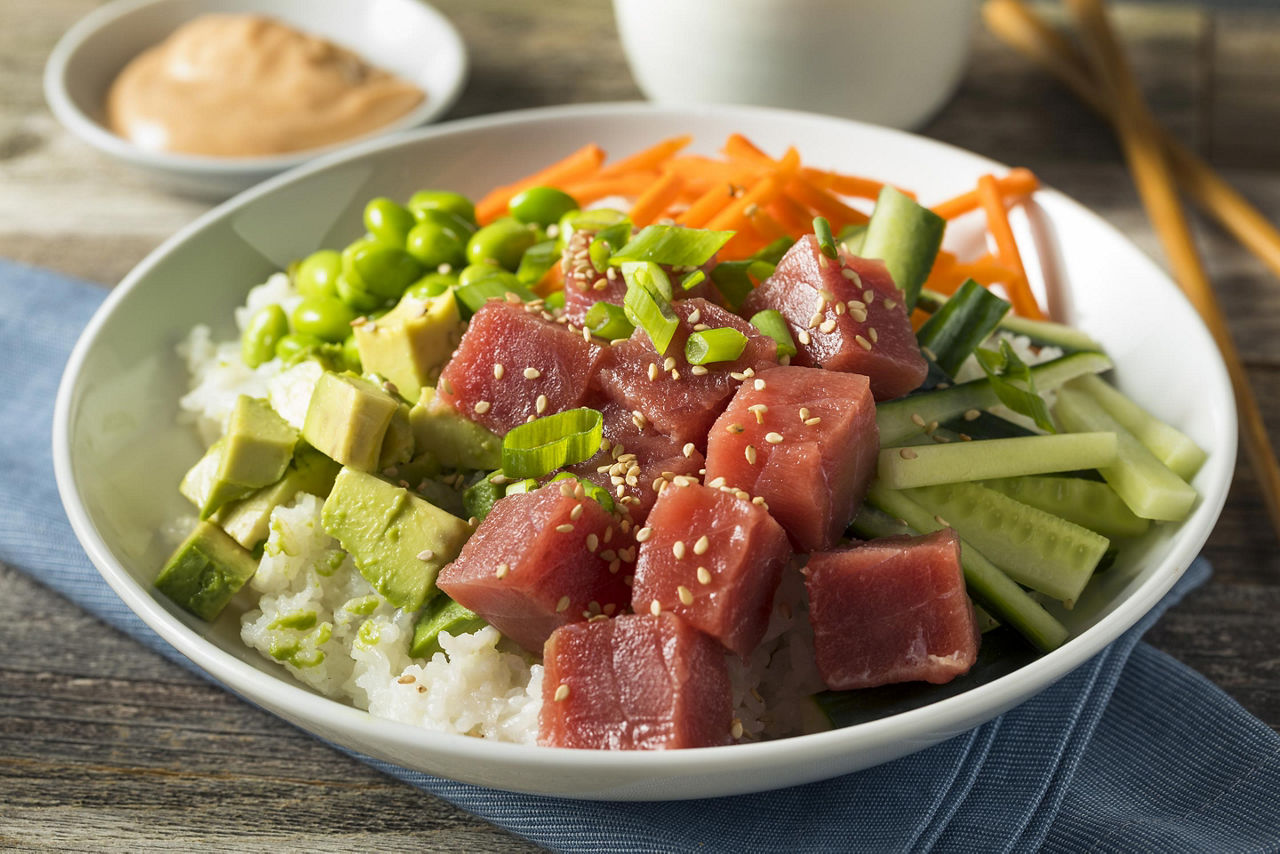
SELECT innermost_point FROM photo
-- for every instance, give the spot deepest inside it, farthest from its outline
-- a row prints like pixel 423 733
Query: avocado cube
pixel 257 446
pixel 347 419
pixel 441 615
pixel 411 343
pixel 197 484
pixel 455 440
pixel 246 521
pixel 397 445
pixel 206 571
pixel 398 541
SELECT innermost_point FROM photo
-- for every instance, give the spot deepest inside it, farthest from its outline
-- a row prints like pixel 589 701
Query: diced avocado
pixel 442 614
pixel 206 571
pixel 411 343
pixel 246 520
pixel 254 452
pixel 398 541
pixel 348 418
pixel 455 440
pixel 397 445
pixel 421 467
pixel 197 484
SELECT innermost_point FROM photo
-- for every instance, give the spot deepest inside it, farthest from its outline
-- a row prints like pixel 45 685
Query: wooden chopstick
pixel 1023 30
pixel 1145 153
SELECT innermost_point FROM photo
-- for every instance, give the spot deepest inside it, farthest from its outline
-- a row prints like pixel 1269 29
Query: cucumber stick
pixel 1042 332
pixel 1147 485
pixel 1091 504
pixel 927 465
pixel 1035 548
pixel 906 236
pixel 899 420
pixel 1170 445
pixel 986 583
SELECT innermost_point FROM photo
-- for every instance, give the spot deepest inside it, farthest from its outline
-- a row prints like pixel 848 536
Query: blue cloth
pixel 1131 752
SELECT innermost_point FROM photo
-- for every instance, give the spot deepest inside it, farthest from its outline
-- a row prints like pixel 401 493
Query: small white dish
pixel 119 453
pixel 406 37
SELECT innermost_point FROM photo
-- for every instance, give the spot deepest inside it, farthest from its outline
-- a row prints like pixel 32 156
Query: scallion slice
pixel 772 323
pixel 773 253
pixel 593 491
pixel 826 240
pixel 541 446
pixel 648 302
pixel 599 253
pixel 536 261
pixel 555 299
pixel 692 280
pixel 673 245
pixel 735 280
pixel 723 344
pixel 475 294
pixel 608 321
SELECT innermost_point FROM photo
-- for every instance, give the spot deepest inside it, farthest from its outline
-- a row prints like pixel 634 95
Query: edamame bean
pixel 460 225
pixel 443 200
pixel 387 221
pixel 356 297
pixel 351 354
pixel 259 339
pixel 296 346
pixel 593 219
pixel 327 318
pixel 434 244
pixel 317 275
pixel 476 272
pixel 432 285
pixel 381 270
pixel 502 241
pixel 542 205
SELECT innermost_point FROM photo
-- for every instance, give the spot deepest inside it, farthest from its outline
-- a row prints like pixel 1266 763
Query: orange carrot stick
pixel 650 158
pixel 845 185
pixel 767 227
pixel 986 270
pixel 577 166
pixel 735 216
pixel 793 216
pixel 551 281
pixel 656 199
pixel 738 147
pixel 824 204
pixel 597 188
pixel 707 205
pixel 1019 291
pixel 1019 182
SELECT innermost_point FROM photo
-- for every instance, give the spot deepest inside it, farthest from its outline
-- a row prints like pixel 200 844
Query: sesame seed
pixel 608 532
pixel 735 428
pixel 698 370
pixel 562 605
pixel 502 570
pixel 686 596
pixel 426 554
pixel 688 449
pixel 859 316
pixel 750 453
pixel 565 528
pixel 840 309
pixel 620 490
pixel 678 549
pixel 932 355
pixel 916 419
pixel 773 438
pixel 675 374
pixel 803 336
pixel 406 680
pixel 862 342
pixel 540 405
pixel 695 315
pixel 872 334
pixel 700 327
pixel 971 414
pixel 704 577
pixel 614 566
pixel 701 546
pixel 653 371
pixel 735 730
pixel 907 454
pixel 498 370
pixel 850 274
pixel 809 422
pixel 389 387
pixel 933 425
pixel 804 412
pixel 586 334
pixel 446 385
pixel 532 373
pixel 562 691
pixel 759 499
pixel 868 296
pixel 482 406
pixel 815 320
pixel 828 325
pixel 643 534
pixel 738 375
pixel 655 607
pixel 891 303
pixel 759 384
pixel 576 513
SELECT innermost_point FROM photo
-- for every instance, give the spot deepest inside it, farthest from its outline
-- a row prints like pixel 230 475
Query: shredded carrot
pixel 656 199
pixel 1018 183
pixel 629 186
pixel 701 172
pixel 824 204
pixel 649 159
pixel 551 281
pixel 845 185
pixel 1017 288
pixel 738 147
pixel 768 227
pixel 986 270
pixel 577 166
pixel 793 216
pixel 765 190
pixel 707 205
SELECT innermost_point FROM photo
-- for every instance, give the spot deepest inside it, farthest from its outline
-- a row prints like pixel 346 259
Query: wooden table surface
pixel 104 745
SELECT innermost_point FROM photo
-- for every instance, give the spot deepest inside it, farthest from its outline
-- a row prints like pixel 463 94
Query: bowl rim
pixel 88 129
pixel 983 701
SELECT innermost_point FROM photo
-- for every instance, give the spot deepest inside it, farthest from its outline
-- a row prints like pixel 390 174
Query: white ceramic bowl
pixel 119 455
pixel 407 37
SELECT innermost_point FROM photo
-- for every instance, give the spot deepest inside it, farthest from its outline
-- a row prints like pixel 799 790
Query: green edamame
pixel 317 275
pixel 265 329
pixel 351 355
pixel 433 244
pixel 381 270
pixel 296 346
pixel 476 272
pixel 442 200
pixel 387 221
pixel 502 241
pixel 327 318
pixel 594 219
pixel 432 285
pixel 356 297
pixel 542 205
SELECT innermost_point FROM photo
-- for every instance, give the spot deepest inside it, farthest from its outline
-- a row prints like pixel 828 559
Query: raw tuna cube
pixel 713 559
pixel 634 683
pixel 513 363
pixel 804 440
pixel 891 610
pixel 534 564
pixel 666 391
pixel 845 315
pixel 635 461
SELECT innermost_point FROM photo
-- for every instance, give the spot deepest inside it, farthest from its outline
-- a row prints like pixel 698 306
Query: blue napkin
pixel 1131 752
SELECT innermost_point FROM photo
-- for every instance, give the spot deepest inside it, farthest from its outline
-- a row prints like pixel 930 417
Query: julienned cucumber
pixel 986 583
pixel 1089 503
pixel 906 236
pixel 1042 332
pixel 926 465
pixel 899 420
pixel 1035 548
pixel 1170 445
pixel 1147 485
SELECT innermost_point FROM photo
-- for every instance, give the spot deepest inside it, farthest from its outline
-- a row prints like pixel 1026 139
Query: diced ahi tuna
pixel 535 564
pixel 665 390
pixel 632 462
pixel 804 440
pixel 636 682
pixel 845 315
pixel 514 363
pixel 891 610
pixel 713 559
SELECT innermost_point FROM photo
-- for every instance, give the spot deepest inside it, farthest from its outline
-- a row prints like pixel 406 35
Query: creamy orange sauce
pixel 245 85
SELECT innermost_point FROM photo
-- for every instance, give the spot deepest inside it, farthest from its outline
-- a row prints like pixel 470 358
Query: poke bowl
pixel 120 451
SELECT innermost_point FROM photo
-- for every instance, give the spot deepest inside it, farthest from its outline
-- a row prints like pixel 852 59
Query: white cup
pixel 889 62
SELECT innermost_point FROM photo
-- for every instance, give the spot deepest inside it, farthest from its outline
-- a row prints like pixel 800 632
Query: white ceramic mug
pixel 890 62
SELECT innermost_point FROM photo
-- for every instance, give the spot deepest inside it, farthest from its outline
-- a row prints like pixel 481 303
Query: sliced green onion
pixel 673 245
pixel 735 280
pixel 648 302
pixel 475 294
pixel 536 261
pixel 519 486
pixel 962 323
pixel 593 491
pixel 615 235
pixel 692 280
pixel 773 253
pixel 714 345
pixel 772 323
pixel 555 299
pixel 599 253
pixel 826 241
pixel 541 446
pixel 608 321
pixel 1004 369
